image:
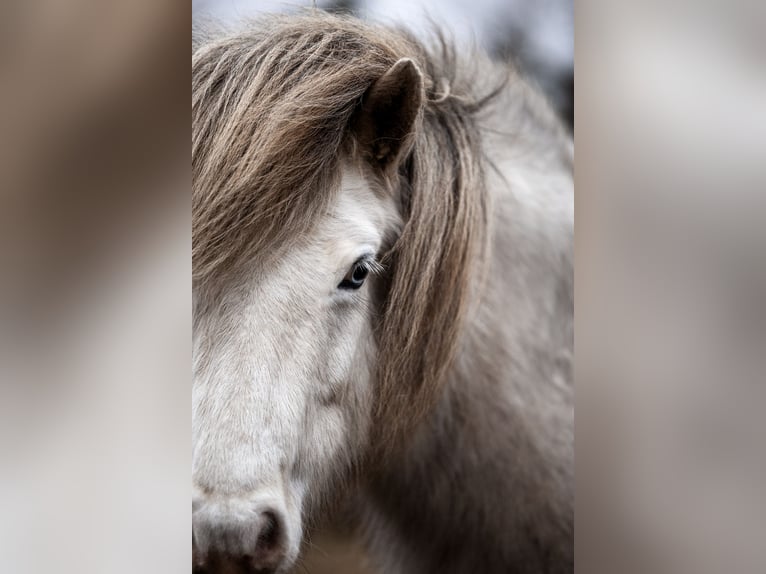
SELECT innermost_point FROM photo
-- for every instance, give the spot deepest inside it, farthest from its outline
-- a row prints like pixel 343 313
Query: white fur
pixel 268 360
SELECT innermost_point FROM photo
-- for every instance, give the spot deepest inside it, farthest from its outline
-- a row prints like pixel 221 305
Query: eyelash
pixel 371 264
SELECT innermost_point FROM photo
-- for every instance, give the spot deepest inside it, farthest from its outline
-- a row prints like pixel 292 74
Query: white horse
pixel 383 300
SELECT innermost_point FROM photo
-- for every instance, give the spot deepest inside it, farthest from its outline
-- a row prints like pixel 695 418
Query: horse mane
pixel 271 110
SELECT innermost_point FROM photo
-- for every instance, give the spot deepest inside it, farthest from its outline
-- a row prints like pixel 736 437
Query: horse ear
pixel 389 114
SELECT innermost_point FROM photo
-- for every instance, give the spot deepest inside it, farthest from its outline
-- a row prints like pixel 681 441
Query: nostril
pixel 271 547
pixel 269 536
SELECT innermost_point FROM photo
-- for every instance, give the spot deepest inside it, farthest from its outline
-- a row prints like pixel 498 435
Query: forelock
pixel 271 108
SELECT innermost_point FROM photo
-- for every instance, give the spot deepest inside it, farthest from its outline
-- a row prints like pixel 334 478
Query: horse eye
pixel 355 277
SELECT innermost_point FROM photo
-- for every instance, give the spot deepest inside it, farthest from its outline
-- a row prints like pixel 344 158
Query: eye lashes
pixel 371 264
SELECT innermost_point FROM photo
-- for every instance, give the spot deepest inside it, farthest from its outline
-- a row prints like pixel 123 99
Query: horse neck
pixel 500 433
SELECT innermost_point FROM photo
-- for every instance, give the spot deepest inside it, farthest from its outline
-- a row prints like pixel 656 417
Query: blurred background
pixel 535 35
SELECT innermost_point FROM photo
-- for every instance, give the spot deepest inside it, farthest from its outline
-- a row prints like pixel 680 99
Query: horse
pixel 382 275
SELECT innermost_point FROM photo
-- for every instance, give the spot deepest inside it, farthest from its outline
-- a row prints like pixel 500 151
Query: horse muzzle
pixel 242 536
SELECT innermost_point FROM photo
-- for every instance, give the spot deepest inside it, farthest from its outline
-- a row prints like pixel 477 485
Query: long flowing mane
pixel 271 113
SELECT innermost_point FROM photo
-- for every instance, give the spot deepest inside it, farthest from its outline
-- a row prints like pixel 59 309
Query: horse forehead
pixel 358 220
pixel 361 214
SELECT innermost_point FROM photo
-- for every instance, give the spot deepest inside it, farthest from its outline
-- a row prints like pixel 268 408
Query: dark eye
pixel 355 277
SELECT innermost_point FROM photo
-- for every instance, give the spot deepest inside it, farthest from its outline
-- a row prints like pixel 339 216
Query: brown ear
pixel 389 114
